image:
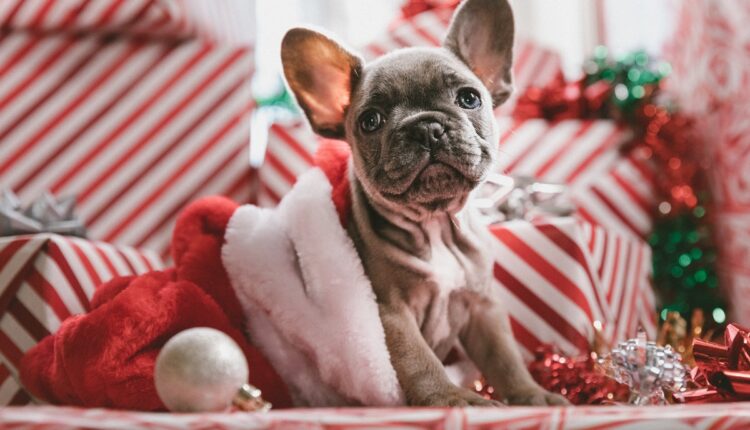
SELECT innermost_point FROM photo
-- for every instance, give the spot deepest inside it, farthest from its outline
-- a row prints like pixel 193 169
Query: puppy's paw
pixel 457 398
pixel 537 397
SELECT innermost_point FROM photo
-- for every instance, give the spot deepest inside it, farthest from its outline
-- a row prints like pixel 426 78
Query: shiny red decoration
pixel 722 372
pixel 576 378
pixel 564 100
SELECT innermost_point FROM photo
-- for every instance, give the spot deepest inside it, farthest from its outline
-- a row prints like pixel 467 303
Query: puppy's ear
pixel 481 35
pixel 321 74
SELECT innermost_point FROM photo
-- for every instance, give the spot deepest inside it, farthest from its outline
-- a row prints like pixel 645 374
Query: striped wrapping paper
pixel 609 188
pixel 559 276
pixel 729 416
pixel 222 20
pixel 136 127
pixel 289 154
pixel 45 279
pixel 153 17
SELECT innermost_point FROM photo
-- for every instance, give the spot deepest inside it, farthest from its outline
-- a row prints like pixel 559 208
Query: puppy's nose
pixel 429 133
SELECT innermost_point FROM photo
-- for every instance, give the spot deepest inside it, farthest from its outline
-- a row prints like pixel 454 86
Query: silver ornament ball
pixel 200 370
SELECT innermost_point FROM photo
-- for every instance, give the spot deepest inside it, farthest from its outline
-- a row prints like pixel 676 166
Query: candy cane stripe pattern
pixel 136 123
pixel 560 276
pixel 698 417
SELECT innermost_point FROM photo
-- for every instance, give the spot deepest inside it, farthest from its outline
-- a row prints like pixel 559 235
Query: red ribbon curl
pixel 722 372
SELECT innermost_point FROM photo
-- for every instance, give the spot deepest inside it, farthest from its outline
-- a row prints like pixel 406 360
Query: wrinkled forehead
pixel 411 77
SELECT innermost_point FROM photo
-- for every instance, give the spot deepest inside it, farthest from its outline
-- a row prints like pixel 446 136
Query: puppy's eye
pixel 370 121
pixel 468 98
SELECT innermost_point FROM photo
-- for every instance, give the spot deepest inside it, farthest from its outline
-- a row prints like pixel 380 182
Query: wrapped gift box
pixel 136 123
pixel 559 276
pixel 46 278
pixel 610 188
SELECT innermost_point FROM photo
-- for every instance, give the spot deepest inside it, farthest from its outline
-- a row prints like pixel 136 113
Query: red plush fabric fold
pixel 106 358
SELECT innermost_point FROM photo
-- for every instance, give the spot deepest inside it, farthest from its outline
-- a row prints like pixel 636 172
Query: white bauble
pixel 200 370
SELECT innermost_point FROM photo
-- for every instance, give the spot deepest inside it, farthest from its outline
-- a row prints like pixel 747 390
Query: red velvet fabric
pixel 106 358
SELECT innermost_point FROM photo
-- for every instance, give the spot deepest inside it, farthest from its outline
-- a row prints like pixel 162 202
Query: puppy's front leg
pixel 489 341
pixel 420 373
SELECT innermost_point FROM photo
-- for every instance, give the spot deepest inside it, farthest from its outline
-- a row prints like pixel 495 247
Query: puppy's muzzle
pixel 429 133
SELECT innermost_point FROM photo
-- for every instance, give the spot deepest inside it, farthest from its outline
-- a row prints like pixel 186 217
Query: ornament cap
pixel 249 399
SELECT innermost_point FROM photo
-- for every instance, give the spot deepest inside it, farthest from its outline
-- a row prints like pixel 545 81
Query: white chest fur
pixel 447 275
pixel 447 272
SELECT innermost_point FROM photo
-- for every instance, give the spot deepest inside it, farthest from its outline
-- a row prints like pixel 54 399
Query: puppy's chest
pixel 440 303
pixel 447 264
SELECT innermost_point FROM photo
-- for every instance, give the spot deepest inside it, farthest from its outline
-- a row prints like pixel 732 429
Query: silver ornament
pixel 200 370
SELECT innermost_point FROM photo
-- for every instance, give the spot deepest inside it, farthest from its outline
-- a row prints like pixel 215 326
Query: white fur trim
pixel 310 306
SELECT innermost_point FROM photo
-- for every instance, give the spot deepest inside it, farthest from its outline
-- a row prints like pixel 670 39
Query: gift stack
pixel 136 107
pixel 710 81
pixel 604 280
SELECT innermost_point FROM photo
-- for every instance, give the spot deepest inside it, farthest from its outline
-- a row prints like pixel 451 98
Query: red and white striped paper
pixel 229 21
pixel 610 189
pixel 45 279
pixel 289 153
pixel 558 277
pixel 133 16
pixel 729 416
pixel 135 127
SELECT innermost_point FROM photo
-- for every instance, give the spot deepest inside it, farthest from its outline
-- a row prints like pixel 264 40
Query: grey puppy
pixel 422 132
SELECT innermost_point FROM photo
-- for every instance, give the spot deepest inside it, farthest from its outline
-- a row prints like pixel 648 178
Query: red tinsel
pixel 563 100
pixel 722 372
pixel 576 378
pixel 669 141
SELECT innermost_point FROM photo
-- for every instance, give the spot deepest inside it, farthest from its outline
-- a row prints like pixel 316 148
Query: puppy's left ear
pixel 481 35
pixel 321 74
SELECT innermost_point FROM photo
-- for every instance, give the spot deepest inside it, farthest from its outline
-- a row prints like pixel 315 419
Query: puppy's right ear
pixel 481 35
pixel 321 74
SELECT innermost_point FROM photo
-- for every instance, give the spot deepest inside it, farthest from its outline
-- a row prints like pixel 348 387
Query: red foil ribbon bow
pixel 722 372
pixel 564 100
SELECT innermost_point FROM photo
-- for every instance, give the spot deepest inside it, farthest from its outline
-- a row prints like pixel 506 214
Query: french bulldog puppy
pixel 423 136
